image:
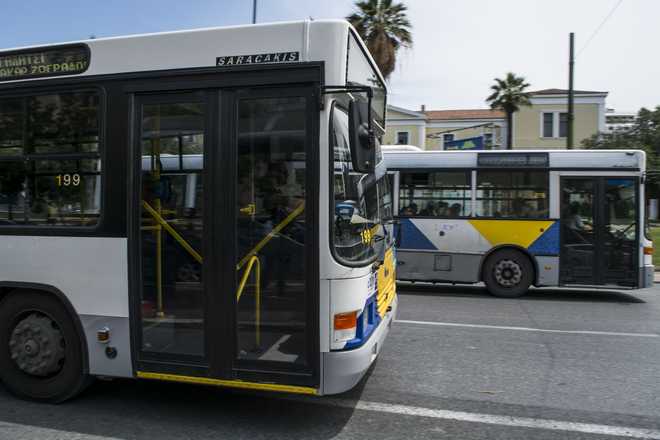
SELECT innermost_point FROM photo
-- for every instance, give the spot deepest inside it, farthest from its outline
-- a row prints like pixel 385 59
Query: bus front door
pixel 599 231
pixel 225 236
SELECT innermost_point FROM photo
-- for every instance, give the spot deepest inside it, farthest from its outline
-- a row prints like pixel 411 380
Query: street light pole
pixel 254 11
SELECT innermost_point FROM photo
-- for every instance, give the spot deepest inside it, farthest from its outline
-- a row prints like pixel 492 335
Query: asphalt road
pixel 458 364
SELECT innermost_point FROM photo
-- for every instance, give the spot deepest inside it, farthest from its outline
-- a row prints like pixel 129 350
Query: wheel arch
pixel 8 287
pixel 514 247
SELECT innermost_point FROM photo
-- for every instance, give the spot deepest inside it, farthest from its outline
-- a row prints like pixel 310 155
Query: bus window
pixel 512 194
pixel 271 196
pixel 435 194
pixel 357 204
pixel 51 167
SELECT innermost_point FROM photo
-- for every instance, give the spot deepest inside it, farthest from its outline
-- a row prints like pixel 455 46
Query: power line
pixel 600 26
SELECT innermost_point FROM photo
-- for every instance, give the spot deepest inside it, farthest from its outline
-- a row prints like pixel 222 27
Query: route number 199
pixel 67 179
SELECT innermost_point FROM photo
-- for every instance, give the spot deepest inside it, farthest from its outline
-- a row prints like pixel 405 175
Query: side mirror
pixel 361 137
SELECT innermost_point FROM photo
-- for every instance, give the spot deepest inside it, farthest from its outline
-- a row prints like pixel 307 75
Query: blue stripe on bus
pixel 547 243
pixel 410 237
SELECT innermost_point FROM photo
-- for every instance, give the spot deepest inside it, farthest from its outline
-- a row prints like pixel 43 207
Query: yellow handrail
pixel 253 262
pixel 283 224
pixel 250 258
pixel 161 221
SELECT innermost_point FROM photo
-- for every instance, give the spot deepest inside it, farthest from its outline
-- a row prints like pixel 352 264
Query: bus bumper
pixel 647 276
pixel 342 370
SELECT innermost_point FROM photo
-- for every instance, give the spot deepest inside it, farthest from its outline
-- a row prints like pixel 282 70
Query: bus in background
pixel 174 207
pixel 515 219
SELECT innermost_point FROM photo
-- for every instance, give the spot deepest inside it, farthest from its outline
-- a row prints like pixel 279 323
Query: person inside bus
pixel 454 210
pixel 574 221
pixel 429 211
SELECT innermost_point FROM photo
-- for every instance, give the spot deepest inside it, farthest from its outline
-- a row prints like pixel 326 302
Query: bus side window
pixel 512 194
pixel 443 194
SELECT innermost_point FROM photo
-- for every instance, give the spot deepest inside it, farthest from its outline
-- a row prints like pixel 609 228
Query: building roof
pixel 565 92
pixel 441 115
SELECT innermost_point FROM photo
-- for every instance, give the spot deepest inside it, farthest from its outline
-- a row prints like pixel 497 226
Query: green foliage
pixel 509 95
pixel 385 28
pixel 643 135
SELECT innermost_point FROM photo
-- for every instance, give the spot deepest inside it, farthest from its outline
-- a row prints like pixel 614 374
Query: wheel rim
pixel 36 345
pixel 508 273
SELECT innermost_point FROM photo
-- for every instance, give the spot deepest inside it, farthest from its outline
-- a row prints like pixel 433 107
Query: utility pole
pixel 571 109
pixel 254 11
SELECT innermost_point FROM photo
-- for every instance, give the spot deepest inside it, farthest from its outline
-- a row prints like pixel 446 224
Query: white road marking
pixel 16 431
pixel 490 419
pixel 528 329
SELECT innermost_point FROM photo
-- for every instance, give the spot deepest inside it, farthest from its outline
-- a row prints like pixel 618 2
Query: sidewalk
pixel 656 277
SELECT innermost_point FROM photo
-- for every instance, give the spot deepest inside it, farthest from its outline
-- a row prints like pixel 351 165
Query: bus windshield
pixel 357 233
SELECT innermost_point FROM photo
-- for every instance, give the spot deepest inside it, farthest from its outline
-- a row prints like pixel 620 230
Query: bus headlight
pixel 345 326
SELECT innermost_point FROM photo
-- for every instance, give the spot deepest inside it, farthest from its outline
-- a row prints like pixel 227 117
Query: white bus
pixel 174 207
pixel 514 219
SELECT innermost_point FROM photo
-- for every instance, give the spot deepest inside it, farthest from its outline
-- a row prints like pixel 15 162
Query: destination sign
pixel 34 63
pixel 262 58
pixel 514 160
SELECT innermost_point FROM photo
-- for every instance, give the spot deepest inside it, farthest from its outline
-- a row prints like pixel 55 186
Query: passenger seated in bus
pixel 454 210
pixel 441 210
pixel 413 208
pixel 430 210
pixel 574 220
pixel 407 211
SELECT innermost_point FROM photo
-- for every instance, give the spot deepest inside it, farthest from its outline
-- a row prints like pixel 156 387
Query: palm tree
pixel 384 27
pixel 508 95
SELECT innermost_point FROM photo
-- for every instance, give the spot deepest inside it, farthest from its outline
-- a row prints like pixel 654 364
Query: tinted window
pixel 435 194
pixel 547 124
pixel 563 124
pixel 50 167
pixel 271 202
pixel 512 194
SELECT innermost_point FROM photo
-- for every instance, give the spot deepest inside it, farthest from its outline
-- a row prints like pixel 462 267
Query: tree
pixel 509 95
pixel 384 27
pixel 643 135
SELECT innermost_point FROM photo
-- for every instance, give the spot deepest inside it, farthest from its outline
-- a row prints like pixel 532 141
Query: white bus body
pixel 520 218
pixel 173 194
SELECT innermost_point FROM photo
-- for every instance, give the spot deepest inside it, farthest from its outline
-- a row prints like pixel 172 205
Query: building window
pixel 488 141
pixel 402 137
pixel 50 166
pixel 554 125
pixel 512 194
pixel 447 137
pixel 435 194
pixel 548 125
pixel 563 125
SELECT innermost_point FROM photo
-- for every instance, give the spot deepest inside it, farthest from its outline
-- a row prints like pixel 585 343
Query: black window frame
pixel 65 230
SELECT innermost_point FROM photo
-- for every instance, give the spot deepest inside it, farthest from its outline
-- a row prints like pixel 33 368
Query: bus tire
pixel 508 273
pixel 41 357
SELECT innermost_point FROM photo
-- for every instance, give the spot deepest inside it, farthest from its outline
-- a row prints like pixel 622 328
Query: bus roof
pixel 564 159
pixel 301 41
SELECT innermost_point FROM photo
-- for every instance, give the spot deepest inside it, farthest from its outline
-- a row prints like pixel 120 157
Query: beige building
pixel 541 125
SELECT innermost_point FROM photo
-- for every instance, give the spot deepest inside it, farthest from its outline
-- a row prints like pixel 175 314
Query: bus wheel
pixel 41 357
pixel 508 273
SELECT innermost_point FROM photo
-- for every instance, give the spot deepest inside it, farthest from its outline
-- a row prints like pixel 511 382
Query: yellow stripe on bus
pixel 228 383
pixel 518 232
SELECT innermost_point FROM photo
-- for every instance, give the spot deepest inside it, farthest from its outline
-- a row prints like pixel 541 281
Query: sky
pixel 459 46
